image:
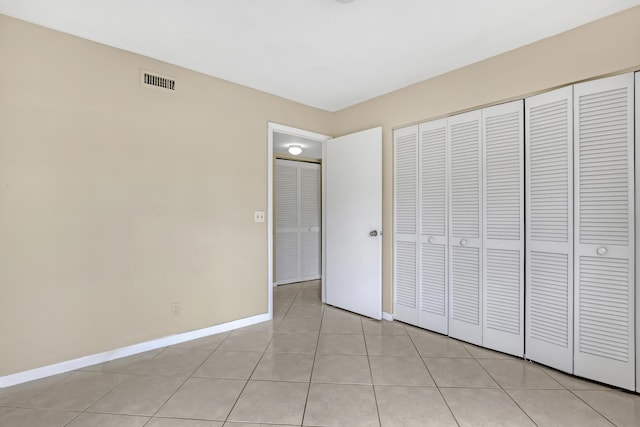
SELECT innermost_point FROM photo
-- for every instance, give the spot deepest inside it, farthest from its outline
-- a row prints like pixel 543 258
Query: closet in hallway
pixel 514 228
pixel 297 221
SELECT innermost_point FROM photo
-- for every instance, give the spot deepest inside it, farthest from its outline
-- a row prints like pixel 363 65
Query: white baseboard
pixel 107 356
pixel 387 316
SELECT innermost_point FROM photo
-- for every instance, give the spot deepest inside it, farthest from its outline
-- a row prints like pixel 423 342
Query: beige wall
pixel 610 45
pixel 116 200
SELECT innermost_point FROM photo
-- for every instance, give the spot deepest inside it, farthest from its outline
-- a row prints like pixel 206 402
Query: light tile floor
pixel 316 365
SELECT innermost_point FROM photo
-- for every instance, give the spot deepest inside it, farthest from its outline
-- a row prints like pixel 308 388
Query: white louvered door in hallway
pixel 465 227
pixel 297 221
pixel 549 199
pixel 503 228
pixel 604 230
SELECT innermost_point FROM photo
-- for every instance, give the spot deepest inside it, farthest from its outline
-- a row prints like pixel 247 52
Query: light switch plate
pixel 258 216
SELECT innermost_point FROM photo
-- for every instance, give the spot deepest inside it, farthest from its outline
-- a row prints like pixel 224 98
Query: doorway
pixel 280 139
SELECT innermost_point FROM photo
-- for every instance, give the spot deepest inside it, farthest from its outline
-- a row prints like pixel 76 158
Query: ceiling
pixel 328 54
pixel 311 148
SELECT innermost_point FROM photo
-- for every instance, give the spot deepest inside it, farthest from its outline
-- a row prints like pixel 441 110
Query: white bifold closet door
pixel 465 227
pixel 503 228
pixel 604 230
pixel 405 146
pixel 405 150
pixel 637 177
pixel 433 250
pixel 297 221
pixel 549 254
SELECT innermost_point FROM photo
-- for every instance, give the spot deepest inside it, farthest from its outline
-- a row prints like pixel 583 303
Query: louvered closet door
pixel 405 260
pixel 549 254
pixel 637 177
pixel 503 228
pixel 465 219
pixel 309 226
pixel 604 236
pixel 433 271
pixel 286 215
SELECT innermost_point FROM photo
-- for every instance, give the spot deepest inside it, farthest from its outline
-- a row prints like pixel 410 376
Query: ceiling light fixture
pixel 295 149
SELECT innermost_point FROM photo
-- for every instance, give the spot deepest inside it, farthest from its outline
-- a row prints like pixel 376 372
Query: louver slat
pixel 548 298
pixel 406 183
pixel 603 168
pixel 465 185
pixel 502 174
pixel 551 164
pixel 604 302
pixel 405 274
pixel 502 286
pixel 465 285
pixel 433 279
pixel 310 197
pixel 433 144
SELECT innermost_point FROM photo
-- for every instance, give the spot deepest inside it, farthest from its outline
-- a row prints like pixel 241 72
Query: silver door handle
pixel 463 242
pixel 373 233
pixel 431 239
pixel 601 250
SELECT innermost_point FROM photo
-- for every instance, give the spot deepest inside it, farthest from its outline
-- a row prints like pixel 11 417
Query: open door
pixel 352 175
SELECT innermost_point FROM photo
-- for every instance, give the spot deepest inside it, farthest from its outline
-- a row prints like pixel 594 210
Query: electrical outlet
pixel 176 309
pixel 258 216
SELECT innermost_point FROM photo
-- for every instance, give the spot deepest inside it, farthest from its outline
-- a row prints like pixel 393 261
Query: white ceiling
pixel 311 148
pixel 322 53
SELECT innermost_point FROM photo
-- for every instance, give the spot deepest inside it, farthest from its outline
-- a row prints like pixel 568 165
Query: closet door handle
pixel 601 250
pixel 463 242
pixel 431 239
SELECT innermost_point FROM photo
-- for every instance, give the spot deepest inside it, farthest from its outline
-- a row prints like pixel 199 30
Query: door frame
pixel 271 129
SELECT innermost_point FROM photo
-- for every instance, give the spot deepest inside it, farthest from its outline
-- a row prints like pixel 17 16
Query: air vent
pixel 154 80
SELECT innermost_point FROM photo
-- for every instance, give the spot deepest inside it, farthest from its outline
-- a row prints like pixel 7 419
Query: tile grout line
pixel 226 420
pixel 373 386
pixel 432 378
pixel 313 365
pixel 186 379
pixel 505 391
pixel 586 403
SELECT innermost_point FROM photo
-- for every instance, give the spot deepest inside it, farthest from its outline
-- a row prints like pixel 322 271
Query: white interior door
pixel 549 253
pixel 604 224
pixel 352 175
pixel 503 228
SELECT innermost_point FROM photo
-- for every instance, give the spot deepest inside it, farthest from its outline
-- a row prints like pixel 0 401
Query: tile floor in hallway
pixel 316 365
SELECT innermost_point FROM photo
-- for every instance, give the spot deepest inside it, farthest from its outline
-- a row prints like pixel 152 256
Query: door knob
pixel 431 239
pixel 373 233
pixel 463 242
pixel 601 250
